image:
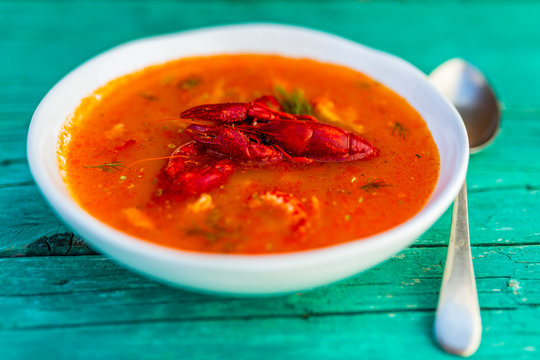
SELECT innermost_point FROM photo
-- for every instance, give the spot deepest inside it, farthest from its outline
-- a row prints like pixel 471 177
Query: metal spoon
pixel 458 326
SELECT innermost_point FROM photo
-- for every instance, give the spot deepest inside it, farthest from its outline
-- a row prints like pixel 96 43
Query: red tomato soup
pixel 115 147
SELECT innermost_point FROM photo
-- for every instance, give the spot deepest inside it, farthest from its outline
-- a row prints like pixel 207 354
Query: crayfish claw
pixel 269 102
pixel 224 113
pixel 198 112
pixel 191 171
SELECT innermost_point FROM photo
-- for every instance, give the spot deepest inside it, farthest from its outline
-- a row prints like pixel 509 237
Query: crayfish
pixel 228 135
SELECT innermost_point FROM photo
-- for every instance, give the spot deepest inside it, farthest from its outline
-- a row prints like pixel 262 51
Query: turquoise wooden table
pixel 61 300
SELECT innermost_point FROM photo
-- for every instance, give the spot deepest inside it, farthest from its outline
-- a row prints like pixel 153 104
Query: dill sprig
pixel 108 167
pixel 189 83
pixel 374 184
pixel 294 102
pixel 148 96
pixel 401 130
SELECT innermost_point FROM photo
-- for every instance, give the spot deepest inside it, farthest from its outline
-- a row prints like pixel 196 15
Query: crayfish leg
pixel 196 179
pixel 306 118
pixel 269 102
pixel 295 159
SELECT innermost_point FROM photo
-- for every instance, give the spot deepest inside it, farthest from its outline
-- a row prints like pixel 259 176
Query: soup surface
pixel 115 146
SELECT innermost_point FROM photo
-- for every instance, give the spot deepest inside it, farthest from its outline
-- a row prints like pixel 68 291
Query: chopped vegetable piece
pixel 189 83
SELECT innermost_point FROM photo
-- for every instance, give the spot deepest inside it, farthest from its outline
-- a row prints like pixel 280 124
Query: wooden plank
pixel 26 220
pixel 479 41
pixel 14 173
pixel 40 292
pixel 73 298
pixel 373 335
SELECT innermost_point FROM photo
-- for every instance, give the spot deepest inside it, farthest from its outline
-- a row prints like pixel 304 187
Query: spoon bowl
pixel 467 88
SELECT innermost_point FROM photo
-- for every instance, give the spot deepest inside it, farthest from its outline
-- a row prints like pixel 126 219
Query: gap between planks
pixel 306 317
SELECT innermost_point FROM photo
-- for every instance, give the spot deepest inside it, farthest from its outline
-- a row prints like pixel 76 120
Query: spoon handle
pixel 458 327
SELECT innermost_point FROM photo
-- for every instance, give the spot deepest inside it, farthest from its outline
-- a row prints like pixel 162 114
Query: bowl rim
pixel 100 233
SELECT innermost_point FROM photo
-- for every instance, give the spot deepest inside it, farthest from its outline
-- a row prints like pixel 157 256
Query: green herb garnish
pixel 216 228
pixel 294 102
pixel 108 167
pixel 189 83
pixel 148 96
pixel 208 235
pixel 401 130
pixel 373 184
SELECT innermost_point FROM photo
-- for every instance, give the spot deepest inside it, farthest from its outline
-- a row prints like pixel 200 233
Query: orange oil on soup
pixel 274 208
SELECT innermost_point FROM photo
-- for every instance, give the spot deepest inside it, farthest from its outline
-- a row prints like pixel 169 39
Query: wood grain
pixel 91 296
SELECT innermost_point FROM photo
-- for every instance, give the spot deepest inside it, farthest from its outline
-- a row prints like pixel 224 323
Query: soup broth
pixel 114 147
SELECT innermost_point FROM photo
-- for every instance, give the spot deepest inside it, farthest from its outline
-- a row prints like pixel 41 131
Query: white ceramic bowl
pixel 243 274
